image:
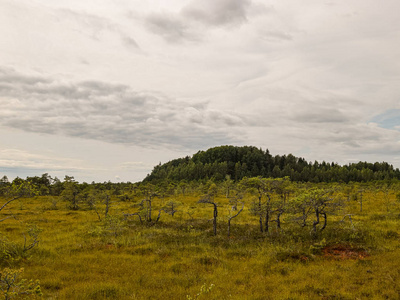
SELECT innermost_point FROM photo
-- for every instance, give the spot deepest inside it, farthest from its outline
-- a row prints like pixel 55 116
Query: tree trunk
pixel 107 206
pixel 149 210
pixel 74 202
pixel 267 220
pixel 304 218
pixel 267 214
pixel 260 212
pixel 316 222
pixel 278 219
pixel 230 219
pixel 325 221
pixel 215 218
pixel 159 215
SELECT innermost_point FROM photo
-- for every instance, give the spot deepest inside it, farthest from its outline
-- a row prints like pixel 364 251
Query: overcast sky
pixel 104 90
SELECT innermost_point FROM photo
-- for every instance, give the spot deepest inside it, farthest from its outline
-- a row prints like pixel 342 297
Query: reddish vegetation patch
pixel 109 246
pixel 343 251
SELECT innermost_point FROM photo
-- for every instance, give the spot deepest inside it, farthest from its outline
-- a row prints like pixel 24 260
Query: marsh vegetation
pixel 265 238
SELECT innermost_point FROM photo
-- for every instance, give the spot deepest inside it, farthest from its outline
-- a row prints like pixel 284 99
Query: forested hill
pixel 248 161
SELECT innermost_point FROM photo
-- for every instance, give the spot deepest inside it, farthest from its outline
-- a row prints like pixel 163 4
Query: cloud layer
pixel 317 79
pixel 109 112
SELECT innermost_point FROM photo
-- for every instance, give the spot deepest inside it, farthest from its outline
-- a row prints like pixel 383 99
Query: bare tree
pixel 149 192
pixel 232 217
pixel 97 198
pixel 271 194
pixel 134 214
pixel 209 198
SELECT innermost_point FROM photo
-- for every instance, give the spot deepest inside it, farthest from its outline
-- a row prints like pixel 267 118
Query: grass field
pixel 80 257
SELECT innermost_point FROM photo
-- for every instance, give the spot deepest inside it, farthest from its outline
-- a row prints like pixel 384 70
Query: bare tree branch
pixel 9 201
pixel 234 216
pixel 134 214
pixel 8 218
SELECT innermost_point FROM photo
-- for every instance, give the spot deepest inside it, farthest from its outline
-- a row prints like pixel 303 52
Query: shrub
pixel 11 286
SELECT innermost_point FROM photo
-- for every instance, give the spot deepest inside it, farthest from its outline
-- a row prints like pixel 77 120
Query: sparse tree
pixel 209 198
pixel 268 203
pixel 71 192
pixel 232 217
pixel 99 200
pixel 18 189
pixel 149 193
pixel 319 202
pixel 12 286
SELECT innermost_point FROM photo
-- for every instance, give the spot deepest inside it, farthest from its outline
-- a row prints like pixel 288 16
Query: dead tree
pixel 208 199
pixel 105 199
pixel 168 209
pixel 4 205
pixel 231 217
pixel 134 214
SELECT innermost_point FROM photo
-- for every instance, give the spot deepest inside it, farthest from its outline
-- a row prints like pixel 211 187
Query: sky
pixel 107 89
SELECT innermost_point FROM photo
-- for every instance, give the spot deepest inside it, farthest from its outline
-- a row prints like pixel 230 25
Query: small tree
pixel 12 286
pixel 98 200
pixel 320 202
pixel 209 198
pixel 146 204
pixel 232 217
pixel 71 192
pixel 4 185
pixel 169 208
pixel 388 192
pixel 271 194
pixel 255 186
pixel 18 189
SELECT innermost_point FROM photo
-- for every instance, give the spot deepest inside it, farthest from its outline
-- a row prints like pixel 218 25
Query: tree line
pixel 273 201
pixel 248 161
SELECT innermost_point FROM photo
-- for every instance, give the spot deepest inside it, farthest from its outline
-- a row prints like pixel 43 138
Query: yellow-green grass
pixel 79 257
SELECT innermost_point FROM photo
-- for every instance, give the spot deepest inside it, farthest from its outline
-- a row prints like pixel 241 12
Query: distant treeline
pixel 46 185
pixel 248 161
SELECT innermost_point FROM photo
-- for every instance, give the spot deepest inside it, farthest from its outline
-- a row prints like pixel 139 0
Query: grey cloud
pixel 129 42
pixel 357 137
pixel 8 76
pixel 320 115
pixel 170 27
pixel 217 13
pixel 109 112
pixel 195 18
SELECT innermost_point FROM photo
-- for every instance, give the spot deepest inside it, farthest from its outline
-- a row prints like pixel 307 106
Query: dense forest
pixel 248 161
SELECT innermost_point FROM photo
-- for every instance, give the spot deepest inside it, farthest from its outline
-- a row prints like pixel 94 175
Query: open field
pixel 80 256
